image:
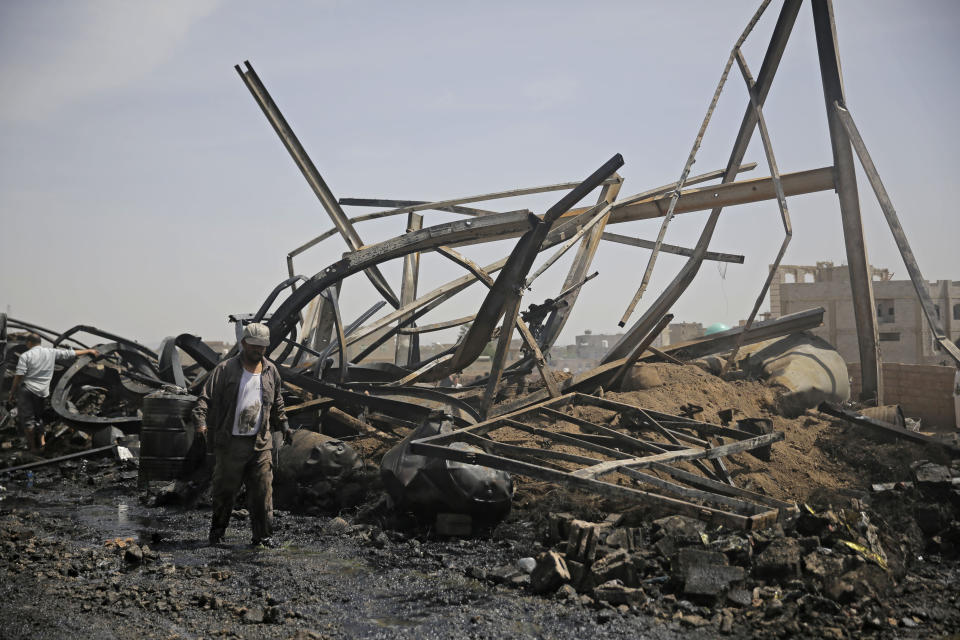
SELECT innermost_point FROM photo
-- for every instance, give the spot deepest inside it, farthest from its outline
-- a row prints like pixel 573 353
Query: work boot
pixel 216 535
pixel 264 543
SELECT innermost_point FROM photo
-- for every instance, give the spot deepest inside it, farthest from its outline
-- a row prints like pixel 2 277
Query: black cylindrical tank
pixel 165 435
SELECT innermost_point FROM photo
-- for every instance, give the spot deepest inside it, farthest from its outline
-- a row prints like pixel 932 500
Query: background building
pixel 904 334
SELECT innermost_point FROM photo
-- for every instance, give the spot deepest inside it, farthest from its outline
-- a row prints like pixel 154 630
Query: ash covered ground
pixel 84 554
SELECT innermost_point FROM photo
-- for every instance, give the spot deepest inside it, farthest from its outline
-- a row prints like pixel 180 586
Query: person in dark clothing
pixel 241 407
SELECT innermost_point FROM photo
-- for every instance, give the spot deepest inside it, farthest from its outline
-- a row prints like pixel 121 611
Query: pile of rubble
pixel 701 450
pixel 833 571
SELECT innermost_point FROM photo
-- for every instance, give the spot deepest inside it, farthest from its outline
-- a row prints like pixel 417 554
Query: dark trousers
pixel 239 464
pixel 29 410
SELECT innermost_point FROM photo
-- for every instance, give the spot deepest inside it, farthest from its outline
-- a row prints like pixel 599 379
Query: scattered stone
pixel 580 578
pixel 726 621
pixel 740 597
pixel 737 548
pixel 681 527
pixel 253 615
pixel 711 580
pixel 582 541
pixel 780 560
pixel 504 574
pixel 617 565
pixel 839 590
pixel 628 538
pixel 527 565
pixel 822 563
pixel 928 474
pixel 694 621
pixel 640 378
pixel 928 519
pixel 337 525
pixel 133 555
pixel 551 572
pixel 558 526
pixel 615 592
pixel 566 592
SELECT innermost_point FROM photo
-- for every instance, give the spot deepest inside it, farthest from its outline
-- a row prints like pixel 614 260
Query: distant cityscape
pixel 904 335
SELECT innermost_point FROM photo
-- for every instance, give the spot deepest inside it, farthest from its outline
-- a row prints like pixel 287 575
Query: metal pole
pixel 864 307
pixel 406 344
pixel 310 172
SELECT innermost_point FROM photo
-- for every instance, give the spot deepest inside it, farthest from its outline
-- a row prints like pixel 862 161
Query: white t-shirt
pixel 36 366
pixel 249 414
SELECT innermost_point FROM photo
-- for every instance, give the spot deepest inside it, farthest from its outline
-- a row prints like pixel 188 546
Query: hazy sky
pixel 143 191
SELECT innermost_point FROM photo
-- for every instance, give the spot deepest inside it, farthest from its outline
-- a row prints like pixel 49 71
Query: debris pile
pixel 700 486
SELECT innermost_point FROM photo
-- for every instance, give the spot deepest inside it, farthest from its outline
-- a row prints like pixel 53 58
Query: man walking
pixel 241 403
pixel 31 385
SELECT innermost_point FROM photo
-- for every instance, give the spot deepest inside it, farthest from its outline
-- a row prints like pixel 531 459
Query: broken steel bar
pixel 505 294
pixel 49 334
pixel 438 326
pixel 377 202
pixel 666 300
pixel 59 459
pixel 670 248
pixel 631 359
pixel 781 203
pixel 691 158
pixel 408 347
pixel 310 172
pixel 885 428
pixel 488 196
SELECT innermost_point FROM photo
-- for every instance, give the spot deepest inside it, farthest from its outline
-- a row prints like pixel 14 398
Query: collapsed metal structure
pixel 311 341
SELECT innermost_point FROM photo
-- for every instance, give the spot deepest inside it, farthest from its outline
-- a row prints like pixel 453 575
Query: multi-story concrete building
pixel 904 333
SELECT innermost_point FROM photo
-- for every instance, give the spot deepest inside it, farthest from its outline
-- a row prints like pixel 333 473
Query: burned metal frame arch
pixel 521 258
pixel 83 328
pixel 58 399
pixel 48 334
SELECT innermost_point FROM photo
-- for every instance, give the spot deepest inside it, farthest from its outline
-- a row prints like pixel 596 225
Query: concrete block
pixel 615 566
pixel 781 559
pixel 551 572
pixel 582 541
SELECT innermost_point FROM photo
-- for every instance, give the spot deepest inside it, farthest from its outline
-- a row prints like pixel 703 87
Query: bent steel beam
pixel 82 328
pixel 661 306
pixel 781 203
pixel 505 289
pixel 310 172
pixel 899 236
pixel 670 248
pixel 691 158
